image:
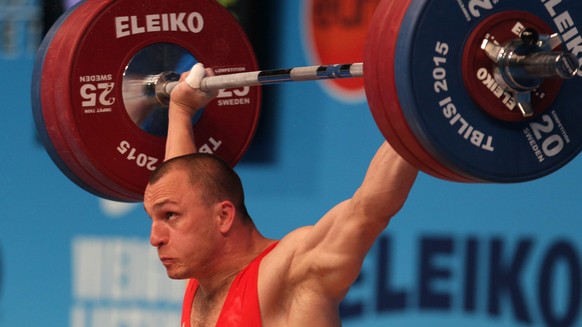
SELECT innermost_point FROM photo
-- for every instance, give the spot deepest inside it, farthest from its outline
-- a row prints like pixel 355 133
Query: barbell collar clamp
pixel 524 63
pixel 160 84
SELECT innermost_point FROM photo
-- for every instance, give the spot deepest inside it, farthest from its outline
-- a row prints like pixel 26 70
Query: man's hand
pixel 187 96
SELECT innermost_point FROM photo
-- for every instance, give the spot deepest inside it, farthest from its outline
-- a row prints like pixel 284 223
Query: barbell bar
pixel 276 76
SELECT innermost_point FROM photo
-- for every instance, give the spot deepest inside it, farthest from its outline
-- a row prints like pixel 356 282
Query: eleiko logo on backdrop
pixel 335 32
pixel 120 282
pixel 523 279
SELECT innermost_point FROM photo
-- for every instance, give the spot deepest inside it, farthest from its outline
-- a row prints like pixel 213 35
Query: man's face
pixel 184 228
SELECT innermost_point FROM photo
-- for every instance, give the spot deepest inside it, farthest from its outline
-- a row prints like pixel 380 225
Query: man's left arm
pixel 332 251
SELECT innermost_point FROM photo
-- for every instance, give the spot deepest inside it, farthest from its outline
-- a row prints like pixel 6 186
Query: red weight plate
pixel 99 41
pixel 374 82
pixel 54 107
pixel 380 85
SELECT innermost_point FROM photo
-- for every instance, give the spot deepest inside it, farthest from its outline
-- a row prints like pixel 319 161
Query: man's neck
pixel 235 256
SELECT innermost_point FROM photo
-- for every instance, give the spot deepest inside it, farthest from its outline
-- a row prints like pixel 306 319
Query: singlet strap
pixel 241 306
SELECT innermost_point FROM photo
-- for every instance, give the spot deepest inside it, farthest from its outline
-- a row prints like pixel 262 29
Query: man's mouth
pixel 166 260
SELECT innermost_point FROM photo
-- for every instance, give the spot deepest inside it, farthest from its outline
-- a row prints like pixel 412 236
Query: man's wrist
pixel 181 111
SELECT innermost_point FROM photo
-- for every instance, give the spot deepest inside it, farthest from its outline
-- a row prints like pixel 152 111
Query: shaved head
pixel 214 177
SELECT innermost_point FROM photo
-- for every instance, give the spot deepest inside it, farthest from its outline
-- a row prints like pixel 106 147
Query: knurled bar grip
pixel 265 77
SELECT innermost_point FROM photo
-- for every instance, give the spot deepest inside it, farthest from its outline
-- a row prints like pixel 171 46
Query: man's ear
pixel 226 215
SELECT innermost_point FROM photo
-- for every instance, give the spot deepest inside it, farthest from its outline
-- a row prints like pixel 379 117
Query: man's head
pixel 212 176
pixel 194 202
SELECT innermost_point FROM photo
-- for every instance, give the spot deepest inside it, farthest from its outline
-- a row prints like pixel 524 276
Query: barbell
pixel 467 91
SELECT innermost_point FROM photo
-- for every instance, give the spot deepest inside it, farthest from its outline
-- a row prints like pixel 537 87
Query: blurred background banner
pixel 456 255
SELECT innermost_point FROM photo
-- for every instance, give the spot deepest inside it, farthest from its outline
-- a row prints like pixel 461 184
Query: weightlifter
pixel 238 277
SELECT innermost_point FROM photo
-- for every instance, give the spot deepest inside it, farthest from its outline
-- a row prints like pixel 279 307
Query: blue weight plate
pixel 468 140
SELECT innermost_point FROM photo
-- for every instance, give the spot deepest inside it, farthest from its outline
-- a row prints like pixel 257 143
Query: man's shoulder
pixel 280 260
pixel 289 244
pixel 284 278
pixel 291 239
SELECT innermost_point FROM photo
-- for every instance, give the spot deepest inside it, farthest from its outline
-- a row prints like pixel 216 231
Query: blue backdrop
pixel 456 255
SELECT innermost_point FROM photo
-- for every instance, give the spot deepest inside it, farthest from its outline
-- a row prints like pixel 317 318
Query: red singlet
pixel 241 306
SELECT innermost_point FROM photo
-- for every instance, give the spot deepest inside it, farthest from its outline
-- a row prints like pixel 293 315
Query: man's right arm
pixel 186 99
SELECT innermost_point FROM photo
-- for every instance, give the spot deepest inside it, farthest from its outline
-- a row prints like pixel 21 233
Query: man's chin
pixel 176 275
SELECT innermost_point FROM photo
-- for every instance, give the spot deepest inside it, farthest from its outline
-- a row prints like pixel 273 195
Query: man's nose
pixel 158 235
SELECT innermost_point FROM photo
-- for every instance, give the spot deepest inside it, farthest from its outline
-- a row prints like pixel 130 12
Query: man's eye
pixel 170 215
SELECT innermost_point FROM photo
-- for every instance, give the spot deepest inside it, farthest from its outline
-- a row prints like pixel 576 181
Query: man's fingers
pixel 196 75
